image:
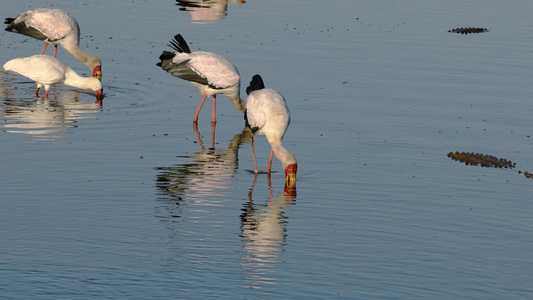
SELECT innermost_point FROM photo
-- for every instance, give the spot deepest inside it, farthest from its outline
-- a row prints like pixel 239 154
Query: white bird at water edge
pixel 46 71
pixel 210 73
pixel 266 113
pixel 55 27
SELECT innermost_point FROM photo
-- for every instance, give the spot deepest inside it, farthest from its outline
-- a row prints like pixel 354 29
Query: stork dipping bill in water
pixel 266 113
pixel 55 27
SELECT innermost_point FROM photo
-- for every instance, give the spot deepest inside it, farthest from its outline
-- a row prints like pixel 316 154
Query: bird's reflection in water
pixel 263 232
pixel 208 174
pixel 206 11
pixel 46 119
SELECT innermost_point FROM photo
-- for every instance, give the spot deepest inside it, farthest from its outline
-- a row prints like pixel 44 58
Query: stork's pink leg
pixel 253 152
pixel 55 50
pixel 270 161
pixel 214 116
pixel 195 118
pixel 44 48
pixel 213 127
pixel 37 92
pixel 46 95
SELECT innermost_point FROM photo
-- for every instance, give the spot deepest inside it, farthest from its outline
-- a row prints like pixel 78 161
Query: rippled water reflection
pixel 46 119
pixel 192 191
pixel 263 232
pixel 208 173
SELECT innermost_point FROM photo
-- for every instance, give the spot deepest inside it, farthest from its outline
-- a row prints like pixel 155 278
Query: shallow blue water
pixel 127 200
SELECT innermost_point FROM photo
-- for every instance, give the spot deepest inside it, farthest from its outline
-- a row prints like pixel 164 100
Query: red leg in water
pixel 213 127
pixel 253 152
pixel 270 161
pixel 214 116
pixel 195 118
pixel 44 48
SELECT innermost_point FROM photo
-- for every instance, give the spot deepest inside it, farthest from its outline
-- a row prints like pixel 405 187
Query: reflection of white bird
pixel 263 232
pixel 47 70
pixel 209 72
pixel 266 113
pixel 208 174
pixel 54 26
pixel 44 119
pixel 204 11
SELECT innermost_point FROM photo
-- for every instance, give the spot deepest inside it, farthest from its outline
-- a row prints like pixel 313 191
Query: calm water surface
pixel 129 201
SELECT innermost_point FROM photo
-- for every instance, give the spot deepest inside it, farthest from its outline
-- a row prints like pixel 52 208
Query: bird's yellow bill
pixel 97 72
pixel 290 180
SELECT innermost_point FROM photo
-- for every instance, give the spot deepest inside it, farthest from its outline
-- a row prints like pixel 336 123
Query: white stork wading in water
pixel 54 27
pixel 210 73
pixel 46 71
pixel 266 113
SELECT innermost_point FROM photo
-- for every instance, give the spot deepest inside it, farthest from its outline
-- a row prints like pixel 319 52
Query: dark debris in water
pixel 485 160
pixel 527 174
pixel 467 30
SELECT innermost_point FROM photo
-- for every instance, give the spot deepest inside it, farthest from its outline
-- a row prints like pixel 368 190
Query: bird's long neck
pixel 75 80
pixel 237 102
pixel 282 153
pixel 235 97
pixel 87 59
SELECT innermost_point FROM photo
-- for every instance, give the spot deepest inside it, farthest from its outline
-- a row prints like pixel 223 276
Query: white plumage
pixel 46 71
pixel 55 27
pixel 210 73
pixel 266 113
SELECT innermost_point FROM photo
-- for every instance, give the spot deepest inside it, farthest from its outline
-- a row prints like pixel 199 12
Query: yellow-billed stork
pixel 266 113
pixel 55 27
pixel 210 73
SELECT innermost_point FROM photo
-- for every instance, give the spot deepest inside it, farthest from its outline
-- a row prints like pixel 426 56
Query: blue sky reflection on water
pixel 129 200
